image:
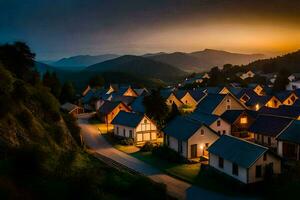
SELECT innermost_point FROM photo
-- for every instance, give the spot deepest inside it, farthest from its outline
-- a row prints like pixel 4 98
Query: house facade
pixel 244 161
pixel 109 110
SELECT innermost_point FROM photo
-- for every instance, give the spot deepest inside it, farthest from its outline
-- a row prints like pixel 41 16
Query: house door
pixel 194 151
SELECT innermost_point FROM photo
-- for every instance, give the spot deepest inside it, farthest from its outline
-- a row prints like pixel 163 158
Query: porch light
pixel 257 107
pixel 201 146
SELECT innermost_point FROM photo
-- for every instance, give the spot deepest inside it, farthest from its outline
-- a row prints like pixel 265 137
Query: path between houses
pixel 175 187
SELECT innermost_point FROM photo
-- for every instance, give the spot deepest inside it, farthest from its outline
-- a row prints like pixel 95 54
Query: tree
pixel 281 81
pixel 67 92
pixel 51 81
pixel 17 58
pixel 174 111
pixel 216 77
pixel 156 107
pixel 96 81
pixel 6 81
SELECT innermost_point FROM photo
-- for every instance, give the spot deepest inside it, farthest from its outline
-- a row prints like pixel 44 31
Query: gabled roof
pixel 141 91
pixel 269 125
pixel 238 151
pixel 261 100
pixel 180 93
pixel 138 106
pixel 127 100
pixel 205 118
pixel 283 95
pixel 209 103
pixel 108 107
pixel 197 94
pixel 93 93
pixel 182 128
pixel 249 92
pixel 283 110
pixel 291 134
pixel 165 93
pixel 128 119
pixel 231 115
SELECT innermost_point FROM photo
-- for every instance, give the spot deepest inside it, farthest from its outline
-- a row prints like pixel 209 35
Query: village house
pixel 188 137
pixel 217 104
pixel 242 160
pixel 135 126
pixel 294 77
pixel 240 121
pixel 287 97
pixel 289 142
pixel 248 74
pixel 245 94
pixel 293 85
pixel 215 122
pixel 109 110
pixel 256 102
pixel 191 98
pixel 72 109
pixel 171 98
pixel 257 88
pixel 216 90
pixel 91 98
pixel 137 105
pixel 266 129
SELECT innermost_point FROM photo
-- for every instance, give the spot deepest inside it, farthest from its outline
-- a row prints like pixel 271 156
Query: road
pixel 175 187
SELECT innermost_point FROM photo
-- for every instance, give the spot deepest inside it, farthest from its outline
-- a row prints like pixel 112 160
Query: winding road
pixel 175 187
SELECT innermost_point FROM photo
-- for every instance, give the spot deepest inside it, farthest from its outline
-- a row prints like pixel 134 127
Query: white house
pixel 293 85
pixel 133 125
pixel 188 137
pixel 248 74
pixel 242 160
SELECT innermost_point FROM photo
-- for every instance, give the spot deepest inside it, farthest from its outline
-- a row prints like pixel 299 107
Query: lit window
pixel 218 123
pixel 202 132
pixel 244 120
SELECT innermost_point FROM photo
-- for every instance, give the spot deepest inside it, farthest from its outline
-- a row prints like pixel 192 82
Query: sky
pixel 63 28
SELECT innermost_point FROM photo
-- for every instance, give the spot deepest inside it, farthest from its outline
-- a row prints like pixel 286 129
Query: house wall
pixel 188 100
pixel 258 90
pixel 173 144
pixel 114 113
pixel 290 100
pixel 273 103
pixel 293 85
pixel 130 92
pixel 227 101
pixel 224 126
pixel 227 168
pixel 124 131
pixel 208 138
pixel 263 140
pixel 270 159
pixel 172 98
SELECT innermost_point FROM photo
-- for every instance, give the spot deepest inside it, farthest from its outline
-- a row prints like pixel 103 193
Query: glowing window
pixel 244 120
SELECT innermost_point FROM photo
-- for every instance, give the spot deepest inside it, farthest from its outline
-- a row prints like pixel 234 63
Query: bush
pixel 168 154
pixel 148 146
pixel 126 141
pixel 73 128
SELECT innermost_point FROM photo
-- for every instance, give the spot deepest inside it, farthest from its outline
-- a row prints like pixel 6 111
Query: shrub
pixel 168 154
pixel 73 128
pixel 126 141
pixel 26 118
pixel 148 146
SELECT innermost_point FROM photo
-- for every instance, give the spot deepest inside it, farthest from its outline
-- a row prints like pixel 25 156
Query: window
pixel 206 145
pixel 224 132
pixel 221 162
pixel 258 171
pixel 202 132
pixel 269 141
pixel 265 157
pixel 275 103
pixel 179 146
pixel 228 107
pixel 145 121
pixel 117 130
pixel 130 134
pixel 219 132
pixel 293 98
pixel 219 123
pixel 235 169
pixel 245 98
pixel 124 132
pixel 170 101
pixel 228 101
pixel 244 120
pixel 186 101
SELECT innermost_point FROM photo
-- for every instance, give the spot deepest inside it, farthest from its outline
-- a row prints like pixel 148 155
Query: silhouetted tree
pixel 174 111
pixel 216 77
pixel 281 81
pixel 96 81
pixel 6 81
pixel 67 92
pixel 156 107
pixel 51 81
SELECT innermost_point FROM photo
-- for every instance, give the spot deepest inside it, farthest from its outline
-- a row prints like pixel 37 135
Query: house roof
pixel 127 100
pixel 197 94
pixel 261 100
pixel 283 110
pixel 68 106
pixel 128 119
pixel 93 93
pixel 291 133
pixel 141 91
pixel 180 93
pixel 231 115
pixel 238 151
pixel 108 107
pixel 138 106
pixel 297 103
pixel 209 103
pixel 182 127
pixel 205 118
pixel 269 125
pixel 165 93
pixel 283 95
pixel 249 92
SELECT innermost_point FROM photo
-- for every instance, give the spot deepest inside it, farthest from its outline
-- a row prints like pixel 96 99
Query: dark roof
pixel 182 127
pixel 127 100
pixel 249 92
pixel 269 125
pixel 165 93
pixel 238 151
pixel 283 95
pixel 138 106
pixel 261 100
pixel 209 103
pixel 297 103
pixel 128 119
pixel 93 93
pixel 231 115
pixel 180 93
pixel 205 118
pixel 108 106
pixel 141 91
pixel 197 94
pixel 214 90
pixel 283 110
pixel 291 134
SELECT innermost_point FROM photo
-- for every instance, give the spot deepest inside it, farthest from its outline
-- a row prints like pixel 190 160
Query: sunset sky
pixel 61 28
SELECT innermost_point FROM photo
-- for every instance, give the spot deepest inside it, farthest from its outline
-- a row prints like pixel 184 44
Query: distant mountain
pixel 83 60
pixel 138 66
pixel 290 62
pixel 42 68
pixel 204 60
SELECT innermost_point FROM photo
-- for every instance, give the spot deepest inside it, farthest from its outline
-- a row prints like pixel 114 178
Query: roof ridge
pixel 240 139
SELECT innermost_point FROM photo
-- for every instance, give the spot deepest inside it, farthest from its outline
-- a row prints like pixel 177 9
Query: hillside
pixel 138 66
pixel 82 60
pixel 204 60
pixel 290 62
